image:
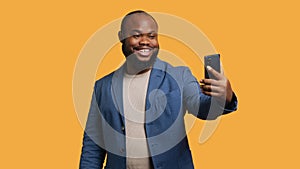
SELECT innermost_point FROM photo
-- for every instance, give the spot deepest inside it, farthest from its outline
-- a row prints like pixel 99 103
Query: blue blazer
pixel 171 92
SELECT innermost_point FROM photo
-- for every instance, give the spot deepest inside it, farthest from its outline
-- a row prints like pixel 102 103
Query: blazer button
pixel 122 150
pixel 123 128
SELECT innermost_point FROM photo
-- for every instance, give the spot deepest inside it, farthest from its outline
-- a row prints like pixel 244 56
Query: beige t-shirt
pixel 134 98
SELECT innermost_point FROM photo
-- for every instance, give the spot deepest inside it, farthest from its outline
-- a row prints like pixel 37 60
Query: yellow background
pixel 259 43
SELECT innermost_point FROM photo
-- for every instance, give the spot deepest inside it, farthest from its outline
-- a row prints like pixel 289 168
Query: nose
pixel 144 40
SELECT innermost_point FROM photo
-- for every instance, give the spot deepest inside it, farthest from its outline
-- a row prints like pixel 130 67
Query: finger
pixel 210 82
pixel 205 88
pixel 211 88
pixel 210 93
pixel 218 75
pixel 206 81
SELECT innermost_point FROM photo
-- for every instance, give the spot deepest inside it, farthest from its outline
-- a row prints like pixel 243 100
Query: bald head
pixel 135 14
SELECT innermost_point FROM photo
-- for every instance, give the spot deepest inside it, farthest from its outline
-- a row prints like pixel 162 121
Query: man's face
pixel 139 38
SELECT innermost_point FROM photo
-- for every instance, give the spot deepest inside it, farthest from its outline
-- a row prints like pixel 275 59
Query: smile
pixel 144 52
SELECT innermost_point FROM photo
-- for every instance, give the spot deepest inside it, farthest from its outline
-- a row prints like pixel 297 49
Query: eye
pixel 152 36
pixel 136 36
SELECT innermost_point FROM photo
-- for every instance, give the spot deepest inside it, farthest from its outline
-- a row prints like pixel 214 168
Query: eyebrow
pixel 138 31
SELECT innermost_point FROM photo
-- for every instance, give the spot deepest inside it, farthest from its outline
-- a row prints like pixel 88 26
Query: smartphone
pixel 214 62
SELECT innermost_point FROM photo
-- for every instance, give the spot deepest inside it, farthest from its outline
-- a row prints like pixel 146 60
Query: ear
pixel 121 37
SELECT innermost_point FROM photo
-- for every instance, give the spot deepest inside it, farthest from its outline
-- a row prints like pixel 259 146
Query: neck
pixel 133 71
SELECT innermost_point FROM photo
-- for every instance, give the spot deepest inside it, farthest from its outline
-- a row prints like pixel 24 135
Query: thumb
pixel 216 74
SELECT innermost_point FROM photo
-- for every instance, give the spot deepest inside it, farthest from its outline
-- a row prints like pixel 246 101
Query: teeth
pixel 145 50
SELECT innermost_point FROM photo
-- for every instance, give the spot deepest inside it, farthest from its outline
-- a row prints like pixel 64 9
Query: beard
pixel 136 64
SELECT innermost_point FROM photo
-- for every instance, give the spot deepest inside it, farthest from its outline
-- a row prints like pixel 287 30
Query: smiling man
pixel 139 41
pixel 136 117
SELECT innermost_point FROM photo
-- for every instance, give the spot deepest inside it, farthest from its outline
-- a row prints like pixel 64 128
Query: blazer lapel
pixel 117 90
pixel 155 80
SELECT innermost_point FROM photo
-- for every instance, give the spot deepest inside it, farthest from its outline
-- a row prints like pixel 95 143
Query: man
pixel 136 115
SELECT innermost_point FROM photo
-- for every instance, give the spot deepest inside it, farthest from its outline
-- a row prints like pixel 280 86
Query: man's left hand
pixel 219 87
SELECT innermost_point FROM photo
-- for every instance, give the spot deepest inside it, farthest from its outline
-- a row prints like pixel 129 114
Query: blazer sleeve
pixel 92 155
pixel 200 105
